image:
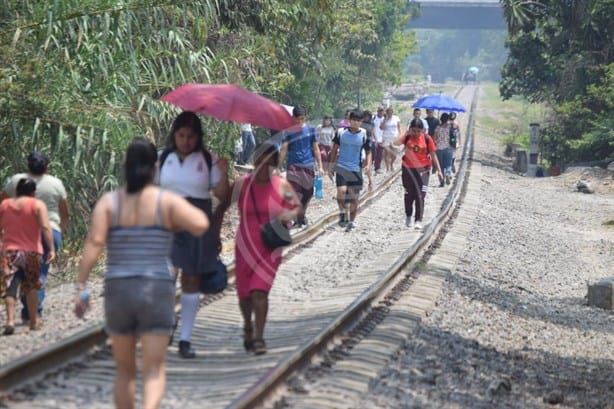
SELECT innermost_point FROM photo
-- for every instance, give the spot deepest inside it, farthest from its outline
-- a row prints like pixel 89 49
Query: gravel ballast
pixel 512 328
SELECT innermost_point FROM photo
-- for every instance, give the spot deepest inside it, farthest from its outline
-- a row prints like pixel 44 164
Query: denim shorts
pixel 138 305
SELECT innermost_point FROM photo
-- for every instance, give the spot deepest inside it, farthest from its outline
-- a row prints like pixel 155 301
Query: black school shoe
pixel 343 221
pixel 185 350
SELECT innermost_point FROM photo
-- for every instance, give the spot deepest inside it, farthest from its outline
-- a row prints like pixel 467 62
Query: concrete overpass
pixel 459 15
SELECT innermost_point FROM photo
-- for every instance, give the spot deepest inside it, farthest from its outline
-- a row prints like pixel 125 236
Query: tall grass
pixel 508 119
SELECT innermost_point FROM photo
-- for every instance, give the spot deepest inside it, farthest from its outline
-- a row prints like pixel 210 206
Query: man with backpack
pixel 346 156
pixel 455 138
pixel 432 122
pixel 300 146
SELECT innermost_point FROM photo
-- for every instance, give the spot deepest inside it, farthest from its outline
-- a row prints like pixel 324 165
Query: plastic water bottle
pixel 84 298
pixel 318 187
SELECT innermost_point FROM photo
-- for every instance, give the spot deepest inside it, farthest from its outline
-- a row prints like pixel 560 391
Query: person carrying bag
pixel 266 203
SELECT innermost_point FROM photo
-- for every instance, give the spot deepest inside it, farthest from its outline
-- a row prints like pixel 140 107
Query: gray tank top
pixel 138 251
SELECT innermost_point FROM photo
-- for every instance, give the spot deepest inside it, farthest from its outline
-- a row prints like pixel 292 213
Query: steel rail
pixel 40 362
pixel 59 353
pixel 274 378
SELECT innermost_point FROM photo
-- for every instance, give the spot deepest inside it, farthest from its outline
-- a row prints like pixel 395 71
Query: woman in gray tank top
pixel 136 224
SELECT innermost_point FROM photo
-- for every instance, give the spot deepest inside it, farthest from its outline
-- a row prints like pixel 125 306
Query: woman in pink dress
pixel 262 196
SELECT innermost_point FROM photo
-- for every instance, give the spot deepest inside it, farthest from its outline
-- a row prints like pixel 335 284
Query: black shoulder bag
pixel 274 233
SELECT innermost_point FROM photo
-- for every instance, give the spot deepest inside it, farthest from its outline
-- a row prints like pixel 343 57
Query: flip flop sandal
pixel 9 330
pixel 248 342
pixel 38 326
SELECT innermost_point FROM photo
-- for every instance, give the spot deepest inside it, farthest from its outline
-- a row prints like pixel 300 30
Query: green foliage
pixel 80 78
pixel 559 53
pixel 583 129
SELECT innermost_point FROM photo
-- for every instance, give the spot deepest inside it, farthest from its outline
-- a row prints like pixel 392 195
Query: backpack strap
pixel 163 157
pixel 208 160
pixel 426 140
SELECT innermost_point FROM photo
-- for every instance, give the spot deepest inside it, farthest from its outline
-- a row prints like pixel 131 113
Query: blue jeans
pixel 249 143
pixel 444 156
pixel 57 241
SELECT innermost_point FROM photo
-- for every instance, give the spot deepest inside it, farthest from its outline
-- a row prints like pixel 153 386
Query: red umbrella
pixel 230 103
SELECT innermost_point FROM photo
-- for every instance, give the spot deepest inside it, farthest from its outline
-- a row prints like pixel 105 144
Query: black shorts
pixel 348 178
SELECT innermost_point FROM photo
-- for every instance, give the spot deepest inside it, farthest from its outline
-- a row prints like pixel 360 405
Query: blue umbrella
pixel 439 102
pixel 474 70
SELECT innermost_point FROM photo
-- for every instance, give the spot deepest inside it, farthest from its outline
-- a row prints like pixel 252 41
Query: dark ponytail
pixel 140 164
pixel 25 187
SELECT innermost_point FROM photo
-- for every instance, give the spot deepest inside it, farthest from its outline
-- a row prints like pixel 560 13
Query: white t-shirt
pixel 246 127
pixel 325 135
pixel 378 134
pixel 189 178
pixel 391 127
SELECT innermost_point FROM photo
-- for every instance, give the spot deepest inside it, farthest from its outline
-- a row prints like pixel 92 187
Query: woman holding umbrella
pixel 261 197
pixel 191 171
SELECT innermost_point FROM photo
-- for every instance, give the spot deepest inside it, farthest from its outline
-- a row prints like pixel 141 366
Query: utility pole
pixel 533 149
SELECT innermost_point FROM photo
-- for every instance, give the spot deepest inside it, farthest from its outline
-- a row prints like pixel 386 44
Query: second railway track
pixel 317 284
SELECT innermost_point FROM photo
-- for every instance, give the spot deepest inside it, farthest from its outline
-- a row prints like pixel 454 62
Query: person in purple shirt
pixel 345 122
pixel 300 146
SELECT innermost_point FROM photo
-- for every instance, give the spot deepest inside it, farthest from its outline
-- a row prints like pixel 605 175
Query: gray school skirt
pixel 139 305
pixel 196 255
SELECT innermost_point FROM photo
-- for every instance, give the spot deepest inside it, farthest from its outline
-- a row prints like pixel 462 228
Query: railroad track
pixel 301 324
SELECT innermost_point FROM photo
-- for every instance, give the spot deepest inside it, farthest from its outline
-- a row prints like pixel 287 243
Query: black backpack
pixel 453 136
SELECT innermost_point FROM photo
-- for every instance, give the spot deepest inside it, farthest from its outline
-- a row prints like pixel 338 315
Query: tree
pixel 80 78
pixel 559 54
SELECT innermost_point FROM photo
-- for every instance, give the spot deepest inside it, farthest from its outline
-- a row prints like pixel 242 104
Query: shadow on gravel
pixel 565 311
pixel 279 333
pixel 439 369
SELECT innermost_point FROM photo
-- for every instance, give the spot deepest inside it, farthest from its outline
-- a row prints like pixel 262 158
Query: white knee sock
pixel 189 307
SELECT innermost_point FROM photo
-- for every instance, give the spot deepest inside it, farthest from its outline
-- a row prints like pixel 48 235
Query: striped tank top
pixel 138 251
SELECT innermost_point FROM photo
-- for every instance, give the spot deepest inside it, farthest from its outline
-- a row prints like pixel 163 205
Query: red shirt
pixel 416 151
pixel 22 231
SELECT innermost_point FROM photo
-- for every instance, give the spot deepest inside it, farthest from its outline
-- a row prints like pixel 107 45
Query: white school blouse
pixel 189 178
